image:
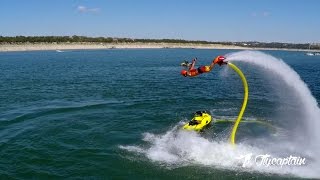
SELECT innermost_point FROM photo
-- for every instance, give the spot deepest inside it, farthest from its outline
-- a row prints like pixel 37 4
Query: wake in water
pixel 179 148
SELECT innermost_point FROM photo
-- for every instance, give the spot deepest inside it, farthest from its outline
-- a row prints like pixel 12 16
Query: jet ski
pixel 200 120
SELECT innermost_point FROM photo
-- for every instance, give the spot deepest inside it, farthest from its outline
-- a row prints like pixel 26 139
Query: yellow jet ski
pixel 200 120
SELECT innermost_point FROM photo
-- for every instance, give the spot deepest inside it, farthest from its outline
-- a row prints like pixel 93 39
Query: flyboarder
pixel 202 69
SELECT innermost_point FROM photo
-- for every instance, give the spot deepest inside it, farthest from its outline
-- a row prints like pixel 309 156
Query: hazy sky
pixel 211 20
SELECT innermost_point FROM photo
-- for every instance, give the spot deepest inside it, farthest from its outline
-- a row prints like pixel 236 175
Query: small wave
pixel 54 109
pixel 10 128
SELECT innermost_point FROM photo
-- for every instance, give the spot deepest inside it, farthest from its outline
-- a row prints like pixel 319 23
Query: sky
pixel 294 21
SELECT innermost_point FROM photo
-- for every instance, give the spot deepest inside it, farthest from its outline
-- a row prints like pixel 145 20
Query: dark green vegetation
pixel 84 39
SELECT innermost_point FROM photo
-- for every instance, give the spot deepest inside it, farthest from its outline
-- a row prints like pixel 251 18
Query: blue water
pixel 67 115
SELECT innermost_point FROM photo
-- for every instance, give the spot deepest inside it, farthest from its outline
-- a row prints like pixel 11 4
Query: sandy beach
pixel 88 46
pixel 73 46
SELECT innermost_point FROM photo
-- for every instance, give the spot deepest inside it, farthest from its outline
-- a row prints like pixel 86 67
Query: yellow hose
pixel 245 100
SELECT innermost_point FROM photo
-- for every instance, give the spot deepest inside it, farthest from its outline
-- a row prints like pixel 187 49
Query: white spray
pixel 310 143
pixel 308 104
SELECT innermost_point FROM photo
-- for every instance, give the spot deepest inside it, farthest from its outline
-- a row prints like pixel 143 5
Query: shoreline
pixel 92 46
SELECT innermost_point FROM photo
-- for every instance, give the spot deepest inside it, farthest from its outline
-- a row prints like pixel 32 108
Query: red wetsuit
pixel 199 70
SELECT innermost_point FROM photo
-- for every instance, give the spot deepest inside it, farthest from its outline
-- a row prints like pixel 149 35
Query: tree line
pixel 85 39
pixel 74 39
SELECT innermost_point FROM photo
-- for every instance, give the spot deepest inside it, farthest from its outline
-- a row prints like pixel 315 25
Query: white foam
pixel 182 148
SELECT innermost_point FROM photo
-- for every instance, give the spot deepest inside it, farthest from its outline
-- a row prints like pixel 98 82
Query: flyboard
pixel 202 119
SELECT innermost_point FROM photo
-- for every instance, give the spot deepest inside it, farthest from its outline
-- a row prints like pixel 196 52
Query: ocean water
pixel 116 114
